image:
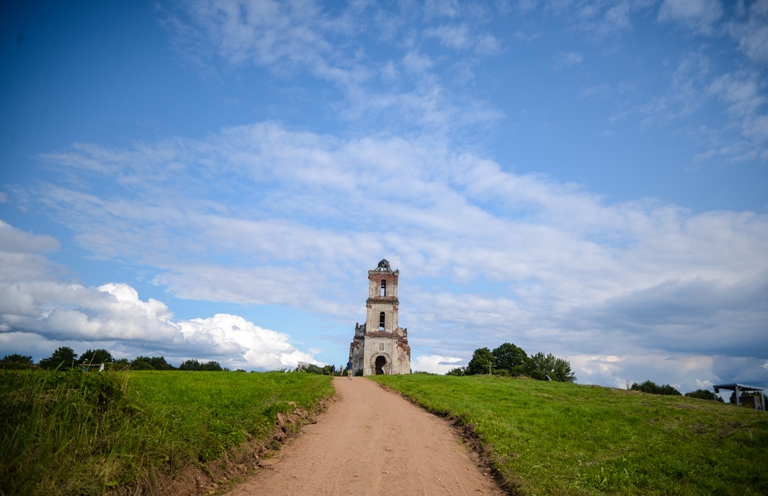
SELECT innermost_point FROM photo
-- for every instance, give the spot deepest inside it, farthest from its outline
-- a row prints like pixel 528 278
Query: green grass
pixel 74 433
pixel 559 438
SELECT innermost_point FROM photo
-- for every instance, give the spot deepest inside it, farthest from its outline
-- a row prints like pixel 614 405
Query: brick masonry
pixel 381 345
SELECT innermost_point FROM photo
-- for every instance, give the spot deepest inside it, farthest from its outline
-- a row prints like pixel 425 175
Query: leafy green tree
pixel 458 371
pixel 563 372
pixel 211 366
pixel 510 357
pixel 96 356
pixel 703 394
pixel 16 361
pixel 540 365
pixel 481 363
pixel 190 365
pixel 64 357
pixel 121 364
pixel 159 363
pixel 651 387
pixel 142 363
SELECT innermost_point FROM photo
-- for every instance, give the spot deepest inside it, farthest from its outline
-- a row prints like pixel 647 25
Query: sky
pixel 213 179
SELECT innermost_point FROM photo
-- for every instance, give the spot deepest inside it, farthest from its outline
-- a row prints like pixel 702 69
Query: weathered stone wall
pixel 371 342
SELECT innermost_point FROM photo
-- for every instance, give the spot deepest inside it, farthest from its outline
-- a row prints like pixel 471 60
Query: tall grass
pixel 559 438
pixel 86 433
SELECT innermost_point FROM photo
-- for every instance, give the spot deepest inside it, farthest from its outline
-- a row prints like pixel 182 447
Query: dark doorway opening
pixel 380 363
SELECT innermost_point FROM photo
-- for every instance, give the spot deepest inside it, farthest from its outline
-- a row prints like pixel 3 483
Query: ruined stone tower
pixel 381 346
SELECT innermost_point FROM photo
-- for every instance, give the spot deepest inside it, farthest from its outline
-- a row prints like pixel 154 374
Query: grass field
pixel 560 438
pixel 74 433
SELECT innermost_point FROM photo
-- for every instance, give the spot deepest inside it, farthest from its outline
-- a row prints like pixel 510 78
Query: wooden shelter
pixel 739 388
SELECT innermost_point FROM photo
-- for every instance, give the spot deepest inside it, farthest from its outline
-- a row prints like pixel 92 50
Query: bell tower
pixel 380 345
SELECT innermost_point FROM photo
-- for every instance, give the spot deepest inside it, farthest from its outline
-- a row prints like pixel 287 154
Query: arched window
pixel 383 288
pixel 381 321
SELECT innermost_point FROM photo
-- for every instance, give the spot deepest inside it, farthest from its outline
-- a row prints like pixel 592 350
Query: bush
pixel 458 371
pixel 151 363
pixel 703 394
pixel 16 361
pixel 651 387
pixel 63 358
pixel 142 363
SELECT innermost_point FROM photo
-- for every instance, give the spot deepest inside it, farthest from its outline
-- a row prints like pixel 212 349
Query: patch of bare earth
pixel 371 442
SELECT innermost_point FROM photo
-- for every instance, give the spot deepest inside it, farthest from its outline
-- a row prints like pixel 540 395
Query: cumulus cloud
pixel 486 255
pixel 435 364
pixel 41 310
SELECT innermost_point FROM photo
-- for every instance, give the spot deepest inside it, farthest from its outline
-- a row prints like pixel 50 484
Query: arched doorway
pixel 380 363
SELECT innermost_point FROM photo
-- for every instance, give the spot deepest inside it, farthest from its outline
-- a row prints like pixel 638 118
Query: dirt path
pixel 371 442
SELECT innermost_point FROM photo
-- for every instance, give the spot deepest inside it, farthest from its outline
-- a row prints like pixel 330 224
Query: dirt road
pixel 371 442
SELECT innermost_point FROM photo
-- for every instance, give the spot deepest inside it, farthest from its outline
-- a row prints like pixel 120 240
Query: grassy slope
pixel 556 438
pixel 73 433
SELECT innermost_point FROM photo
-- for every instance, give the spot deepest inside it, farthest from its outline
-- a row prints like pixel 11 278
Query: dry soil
pixel 372 442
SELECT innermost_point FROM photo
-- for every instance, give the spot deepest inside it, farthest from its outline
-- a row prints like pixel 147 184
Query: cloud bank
pixel 486 255
pixel 41 310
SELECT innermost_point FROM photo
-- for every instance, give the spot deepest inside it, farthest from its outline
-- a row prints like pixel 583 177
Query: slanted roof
pixel 732 387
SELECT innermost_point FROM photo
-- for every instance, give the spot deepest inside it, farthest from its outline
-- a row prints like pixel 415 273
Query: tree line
pixel 65 358
pixel 509 359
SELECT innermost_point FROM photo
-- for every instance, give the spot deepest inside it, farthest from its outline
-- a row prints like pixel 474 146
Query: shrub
pixel 142 363
pixel 458 371
pixel 16 361
pixel 651 387
pixel 703 394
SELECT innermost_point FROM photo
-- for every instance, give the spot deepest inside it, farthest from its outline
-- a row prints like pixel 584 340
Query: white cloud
pixel 40 309
pixel 752 32
pixel 486 255
pixel 683 372
pixel 696 15
pixel 461 38
pixel 13 240
pixel 435 364
pixel 565 60
pixel 745 100
pixel 303 37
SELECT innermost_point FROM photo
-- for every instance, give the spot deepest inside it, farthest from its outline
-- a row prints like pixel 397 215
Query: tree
pixel 16 361
pixel 651 387
pixel 563 372
pixel 211 366
pixel 190 365
pixel 64 357
pixel 509 357
pixel 195 365
pixel 142 363
pixel 151 363
pixel 539 366
pixel 458 371
pixel 159 363
pixel 481 363
pixel 96 356
pixel 703 394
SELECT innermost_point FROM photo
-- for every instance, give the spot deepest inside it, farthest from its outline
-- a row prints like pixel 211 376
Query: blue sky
pixel 213 179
